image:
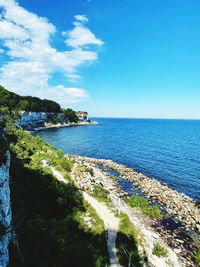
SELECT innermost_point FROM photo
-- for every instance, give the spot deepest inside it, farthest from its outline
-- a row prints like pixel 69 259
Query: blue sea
pixel 168 150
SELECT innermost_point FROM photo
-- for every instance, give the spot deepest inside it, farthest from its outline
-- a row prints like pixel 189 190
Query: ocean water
pixel 168 150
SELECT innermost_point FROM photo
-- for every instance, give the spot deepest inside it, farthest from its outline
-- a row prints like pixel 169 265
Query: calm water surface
pixel 168 150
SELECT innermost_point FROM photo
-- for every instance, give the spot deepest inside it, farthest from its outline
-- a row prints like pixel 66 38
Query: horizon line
pixel 146 118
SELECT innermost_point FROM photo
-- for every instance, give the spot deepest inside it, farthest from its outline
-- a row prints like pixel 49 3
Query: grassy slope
pixel 47 214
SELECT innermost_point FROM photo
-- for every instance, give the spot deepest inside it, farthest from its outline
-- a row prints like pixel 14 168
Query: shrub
pixel 159 250
pixel 127 241
pixel 197 257
pixel 66 164
pixel 136 201
pixel 67 177
pixel 59 153
pixel 100 192
pixel 90 170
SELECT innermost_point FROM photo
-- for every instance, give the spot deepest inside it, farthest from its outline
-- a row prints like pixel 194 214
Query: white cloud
pixel 81 36
pixel 82 18
pixel 33 61
pixel 73 78
pixel 10 31
pixel 1 51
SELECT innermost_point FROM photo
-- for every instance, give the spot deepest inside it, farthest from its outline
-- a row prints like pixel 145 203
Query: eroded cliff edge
pixel 5 208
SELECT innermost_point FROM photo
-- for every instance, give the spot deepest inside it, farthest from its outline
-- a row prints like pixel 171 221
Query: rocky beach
pixel 59 125
pixel 179 208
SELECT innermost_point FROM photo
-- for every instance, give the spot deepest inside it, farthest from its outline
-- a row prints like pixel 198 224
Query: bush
pixel 197 257
pixel 70 115
pixel 66 164
pixel 100 192
pixel 136 201
pixel 127 237
pixel 59 153
pixel 90 170
pixel 159 250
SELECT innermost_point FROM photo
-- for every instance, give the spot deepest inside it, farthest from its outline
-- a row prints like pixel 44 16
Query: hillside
pixel 28 103
pixel 48 216
pixel 24 105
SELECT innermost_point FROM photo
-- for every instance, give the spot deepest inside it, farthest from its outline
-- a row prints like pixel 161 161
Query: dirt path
pixel 58 175
pixel 111 223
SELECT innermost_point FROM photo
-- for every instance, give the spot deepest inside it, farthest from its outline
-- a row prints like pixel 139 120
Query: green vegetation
pixel 53 118
pixel 3 143
pixel 70 115
pixel 101 193
pixel 127 236
pixel 197 257
pixel 27 103
pixel 18 103
pixel 90 170
pixel 48 214
pixel 126 243
pixel 159 250
pixel 136 201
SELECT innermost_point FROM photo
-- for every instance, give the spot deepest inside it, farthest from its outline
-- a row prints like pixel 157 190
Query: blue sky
pixel 126 58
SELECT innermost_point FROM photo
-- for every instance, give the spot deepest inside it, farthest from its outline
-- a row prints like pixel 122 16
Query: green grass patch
pixel 101 194
pixel 90 170
pixel 197 257
pixel 159 250
pixel 136 201
pixel 96 222
pixel 126 243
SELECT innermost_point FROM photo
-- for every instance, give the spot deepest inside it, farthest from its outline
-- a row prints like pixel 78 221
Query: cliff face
pixel 31 119
pixel 34 119
pixel 5 208
pixel 82 116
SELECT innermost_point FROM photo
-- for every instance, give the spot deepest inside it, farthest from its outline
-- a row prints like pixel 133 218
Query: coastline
pixel 177 204
pixel 59 125
pixel 149 227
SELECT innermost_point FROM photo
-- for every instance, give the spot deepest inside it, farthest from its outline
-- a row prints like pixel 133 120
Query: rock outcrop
pixel 5 208
pixel 82 116
pixel 32 119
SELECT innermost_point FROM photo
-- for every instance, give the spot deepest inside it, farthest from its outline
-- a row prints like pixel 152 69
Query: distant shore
pixel 59 125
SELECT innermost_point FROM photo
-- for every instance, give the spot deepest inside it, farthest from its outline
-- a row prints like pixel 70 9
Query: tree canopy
pixel 28 103
pixel 70 115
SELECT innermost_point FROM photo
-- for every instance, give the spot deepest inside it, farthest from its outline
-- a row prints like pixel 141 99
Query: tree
pixel 23 105
pixel 70 115
pixel 28 103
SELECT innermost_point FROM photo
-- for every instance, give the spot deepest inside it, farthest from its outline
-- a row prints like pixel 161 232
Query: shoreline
pixel 149 227
pixel 177 204
pixel 58 125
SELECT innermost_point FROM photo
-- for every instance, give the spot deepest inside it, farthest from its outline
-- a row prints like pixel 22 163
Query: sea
pixel 165 149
